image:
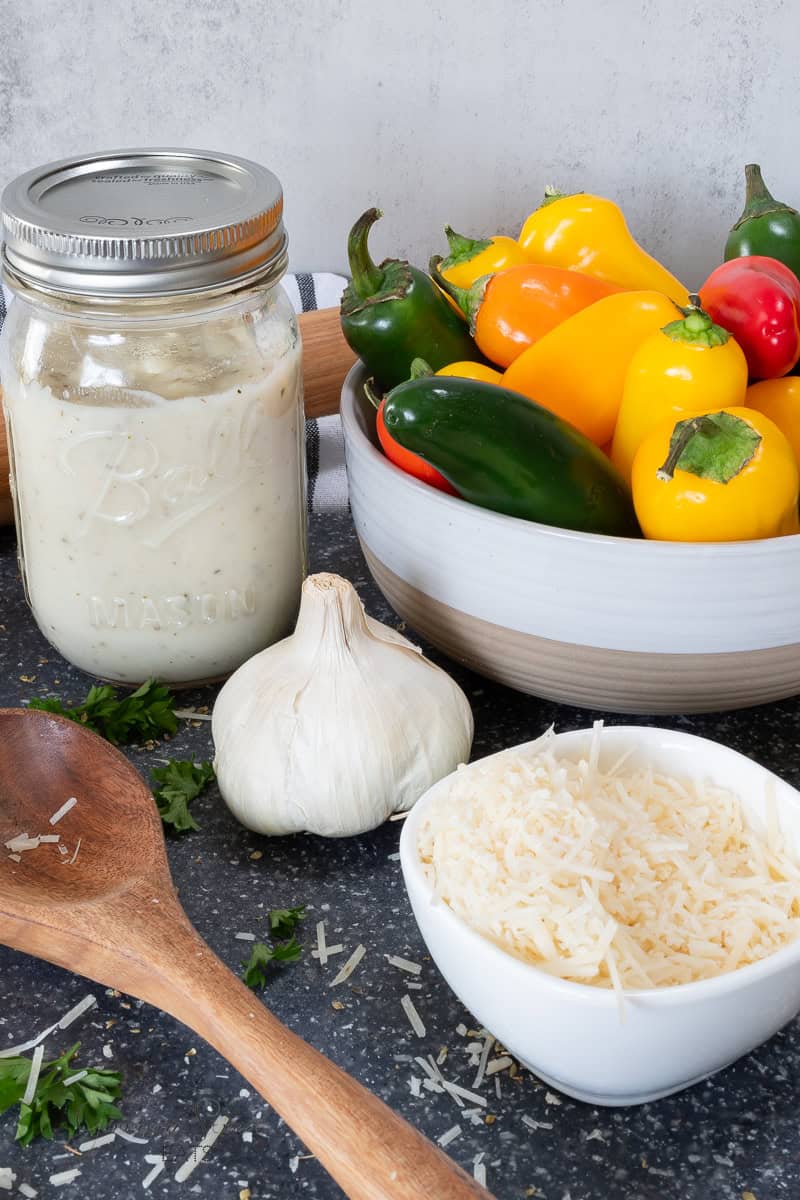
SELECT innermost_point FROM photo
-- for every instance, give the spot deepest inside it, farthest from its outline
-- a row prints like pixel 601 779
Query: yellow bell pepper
pixel 590 234
pixel 690 366
pixel 577 370
pixel 473 370
pixel 471 258
pixel 727 476
pixel 779 399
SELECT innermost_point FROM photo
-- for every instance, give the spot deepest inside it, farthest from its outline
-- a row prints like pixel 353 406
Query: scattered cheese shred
pixel 321 950
pixel 66 807
pixel 74 1078
pixel 95 1143
pixel 449 1136
pixel 455 1089
pixel 245 937
pixel 499 1064
pixel 350 966
pixel 158 1164
pixel 414 1019
pixel 128 1137
pixel 74 1013
pixel 27 1191
pixel 403 964
pixel 62 1178
pixel 7 1178
pixel 484 1058
pixel 22 842
pixel 620 880
pixel 201 1150
pixel 33 1075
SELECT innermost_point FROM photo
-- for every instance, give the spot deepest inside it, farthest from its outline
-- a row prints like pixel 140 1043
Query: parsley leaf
pixel 88 1103
pixel 180 782
pixel 146 713
pixel 255 969
pixel 282 921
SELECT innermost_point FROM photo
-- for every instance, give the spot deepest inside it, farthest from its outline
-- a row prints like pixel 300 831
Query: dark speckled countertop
pixel 733 1136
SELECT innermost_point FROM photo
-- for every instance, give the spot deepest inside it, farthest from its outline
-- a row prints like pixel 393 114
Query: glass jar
pixel 153 398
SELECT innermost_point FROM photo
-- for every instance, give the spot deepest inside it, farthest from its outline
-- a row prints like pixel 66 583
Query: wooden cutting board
pixel 326 360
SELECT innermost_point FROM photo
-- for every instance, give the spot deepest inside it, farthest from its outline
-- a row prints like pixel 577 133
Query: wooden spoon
pixel 113 916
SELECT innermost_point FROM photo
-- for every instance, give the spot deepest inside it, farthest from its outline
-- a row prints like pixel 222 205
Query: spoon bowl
pixel 42 765
pixel 112 915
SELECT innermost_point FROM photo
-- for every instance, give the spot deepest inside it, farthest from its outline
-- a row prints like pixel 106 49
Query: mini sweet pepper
pixel 690 366
pixel 590 234
pixel 578 369
pixel 757 299
pixel 514 308
pixel 728 476
pixel 470 258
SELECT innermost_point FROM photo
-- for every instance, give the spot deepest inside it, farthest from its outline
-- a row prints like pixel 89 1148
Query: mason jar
pixel 152 390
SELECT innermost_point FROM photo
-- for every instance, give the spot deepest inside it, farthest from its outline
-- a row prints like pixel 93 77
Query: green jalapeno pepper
pixel 502 451
pixel 394 313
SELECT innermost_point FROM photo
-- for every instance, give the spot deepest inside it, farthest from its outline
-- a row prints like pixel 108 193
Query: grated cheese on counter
pixel 623 879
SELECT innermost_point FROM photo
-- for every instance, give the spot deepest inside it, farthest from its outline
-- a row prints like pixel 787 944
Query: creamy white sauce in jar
pixel 152 389
pixel 164 538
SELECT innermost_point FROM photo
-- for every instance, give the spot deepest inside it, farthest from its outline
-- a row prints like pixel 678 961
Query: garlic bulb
pixel 338 726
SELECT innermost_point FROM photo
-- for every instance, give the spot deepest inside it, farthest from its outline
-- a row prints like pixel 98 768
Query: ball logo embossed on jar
pixel 134 478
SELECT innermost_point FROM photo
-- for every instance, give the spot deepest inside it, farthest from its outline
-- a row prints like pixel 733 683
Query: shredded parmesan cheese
pixel 449 1136
pixel 27 1191
pixel 403 964
pixel 201 1150
pixel 62 1178
pixel 66 807
pixel 414 1019
pixel 7 1178
pixel 96 1143
pixel 74 1013
pixel 620 880
pixel 33 1075
pixel 158 1164
pixel 350 966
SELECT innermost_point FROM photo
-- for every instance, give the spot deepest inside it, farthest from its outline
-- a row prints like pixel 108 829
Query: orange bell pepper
pixel 512 309
pixel 578 370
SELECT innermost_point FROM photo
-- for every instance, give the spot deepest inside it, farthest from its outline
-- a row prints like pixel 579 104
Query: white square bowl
pixel 571 1035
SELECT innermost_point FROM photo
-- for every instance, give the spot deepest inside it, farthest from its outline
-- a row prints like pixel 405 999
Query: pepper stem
pixel 666 471
pixel 469 299
pixel 371 394
pixel 756 189
pixel 462 248
pixel 459 294
pixel 421 369
pixel 759 201
pixel 367 277
pixel 697 327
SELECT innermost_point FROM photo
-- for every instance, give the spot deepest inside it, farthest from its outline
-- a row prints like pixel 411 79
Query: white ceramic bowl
pixel 618 624
pixel 570 1034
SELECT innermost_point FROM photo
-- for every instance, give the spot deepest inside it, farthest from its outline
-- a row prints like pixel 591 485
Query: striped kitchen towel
pixel 327 480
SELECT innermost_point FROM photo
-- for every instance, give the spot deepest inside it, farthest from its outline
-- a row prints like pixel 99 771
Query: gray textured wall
pixel 449 111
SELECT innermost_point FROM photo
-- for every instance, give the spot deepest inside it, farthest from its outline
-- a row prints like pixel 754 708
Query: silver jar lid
pixel 144 223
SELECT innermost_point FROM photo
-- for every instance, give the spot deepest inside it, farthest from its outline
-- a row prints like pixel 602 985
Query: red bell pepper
pixel 757 299
pixel 407 461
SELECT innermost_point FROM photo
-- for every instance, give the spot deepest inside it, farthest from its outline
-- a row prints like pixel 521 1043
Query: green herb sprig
pixel 88 1103
pixel 179 783
pixel 146 713
pixel 285 947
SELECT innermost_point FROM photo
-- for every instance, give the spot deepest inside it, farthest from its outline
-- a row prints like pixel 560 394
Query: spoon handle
pixel 370 1151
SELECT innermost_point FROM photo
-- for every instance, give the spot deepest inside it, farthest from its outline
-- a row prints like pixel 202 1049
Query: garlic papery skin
pixel 338 726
